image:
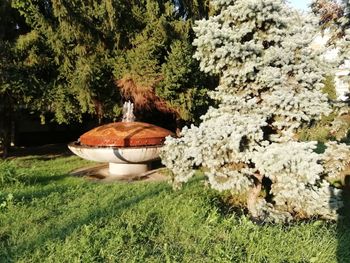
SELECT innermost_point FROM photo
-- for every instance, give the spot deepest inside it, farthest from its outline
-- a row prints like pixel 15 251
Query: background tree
pixel 334 22
pixel 270 84
pixel 104 52
pixel 12 89
pixel 334 16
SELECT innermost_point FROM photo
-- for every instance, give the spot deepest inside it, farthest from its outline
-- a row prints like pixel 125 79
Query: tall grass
pixel 54 217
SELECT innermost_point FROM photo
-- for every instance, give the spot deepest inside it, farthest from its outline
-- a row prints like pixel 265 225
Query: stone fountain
pixel 128 146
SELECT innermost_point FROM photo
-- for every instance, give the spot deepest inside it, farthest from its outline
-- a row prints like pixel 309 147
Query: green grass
pixel 53 217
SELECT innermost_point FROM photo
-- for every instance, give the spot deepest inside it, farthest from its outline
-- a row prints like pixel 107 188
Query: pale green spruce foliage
pixel 270 84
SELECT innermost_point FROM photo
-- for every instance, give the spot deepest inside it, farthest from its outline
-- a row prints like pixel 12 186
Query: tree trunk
pixel 253 195
pixel 5 125
pixel 179 125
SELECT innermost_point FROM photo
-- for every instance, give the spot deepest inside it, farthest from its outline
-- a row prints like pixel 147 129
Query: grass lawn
pixel 53 217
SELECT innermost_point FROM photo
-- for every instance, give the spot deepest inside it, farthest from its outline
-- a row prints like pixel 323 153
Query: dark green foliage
pixel 13 91
pixel 182 84
pixel 78 55
pixel 95 54
pixel 11 23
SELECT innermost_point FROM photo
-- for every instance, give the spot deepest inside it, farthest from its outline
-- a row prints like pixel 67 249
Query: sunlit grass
pixel 49 216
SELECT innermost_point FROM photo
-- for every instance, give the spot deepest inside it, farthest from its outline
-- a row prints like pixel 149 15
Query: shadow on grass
pixel 61 232
pixel 44 180
pixel 28 196
pixel 343 228
pixel 32 180
pixel 44 152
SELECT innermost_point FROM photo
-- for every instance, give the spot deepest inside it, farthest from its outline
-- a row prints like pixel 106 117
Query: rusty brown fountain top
pixel 125 134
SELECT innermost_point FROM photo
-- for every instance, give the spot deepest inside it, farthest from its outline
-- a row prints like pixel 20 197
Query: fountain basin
pixel 125 134
pixel 122 161
pixel 128 147
pixel 116 154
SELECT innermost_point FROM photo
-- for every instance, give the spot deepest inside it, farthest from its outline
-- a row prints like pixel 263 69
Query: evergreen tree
pixel 334 19
pixel 106 51
pixel 270 84
pixel 12 91
pixel 334 16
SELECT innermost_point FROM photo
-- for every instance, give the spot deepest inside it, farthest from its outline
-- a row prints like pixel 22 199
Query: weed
pixel 8 173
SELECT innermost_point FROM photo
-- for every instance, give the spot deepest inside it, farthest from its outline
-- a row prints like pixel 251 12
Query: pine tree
pixel 270 84
pixel 334 16
pixel 107 51
pixel 334 19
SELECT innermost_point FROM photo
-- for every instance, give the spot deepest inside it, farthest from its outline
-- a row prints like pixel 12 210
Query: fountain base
pixel 126 169
pixel 100 173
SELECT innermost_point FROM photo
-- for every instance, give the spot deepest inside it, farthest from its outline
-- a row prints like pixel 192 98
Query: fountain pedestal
pixel 126 169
